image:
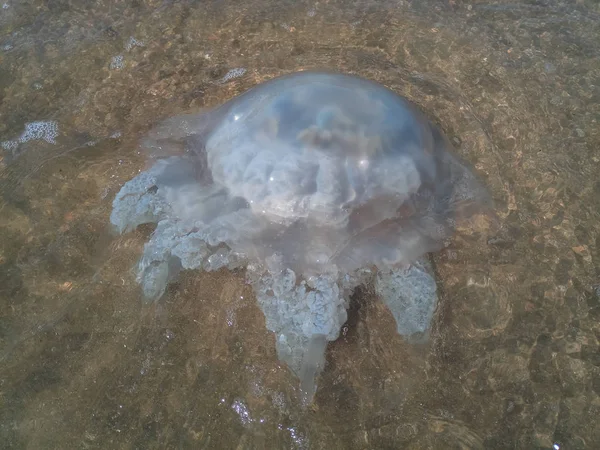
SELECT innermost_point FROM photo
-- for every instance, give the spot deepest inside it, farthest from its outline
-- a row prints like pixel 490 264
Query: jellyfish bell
pixel 308 180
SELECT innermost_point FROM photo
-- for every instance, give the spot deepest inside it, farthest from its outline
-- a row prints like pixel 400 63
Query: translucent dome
pixel 325 171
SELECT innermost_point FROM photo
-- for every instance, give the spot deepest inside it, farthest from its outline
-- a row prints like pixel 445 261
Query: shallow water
pixel 513 359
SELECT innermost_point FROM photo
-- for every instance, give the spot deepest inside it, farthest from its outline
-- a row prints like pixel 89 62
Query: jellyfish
pixel 315 183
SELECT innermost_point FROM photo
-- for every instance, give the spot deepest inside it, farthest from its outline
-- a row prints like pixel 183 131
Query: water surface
pixel 513 360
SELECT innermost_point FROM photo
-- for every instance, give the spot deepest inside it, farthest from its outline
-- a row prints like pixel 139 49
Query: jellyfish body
pixel 311 181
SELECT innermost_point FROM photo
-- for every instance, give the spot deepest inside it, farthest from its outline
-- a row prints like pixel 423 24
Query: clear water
pixel 513 359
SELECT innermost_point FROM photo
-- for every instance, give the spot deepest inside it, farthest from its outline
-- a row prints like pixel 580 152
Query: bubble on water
pixel 242 411
pixel 42 130
pixel 9 145
pixel 230 319
pixel 145 366
pixel 298 438
pixel 117 62
pixel 278 401
pixel 232 74
pixel 257 389
pixel 133 42
pixel 45 130
pixel 104 193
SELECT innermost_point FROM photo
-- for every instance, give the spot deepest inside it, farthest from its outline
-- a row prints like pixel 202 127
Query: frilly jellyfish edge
pixel 316 183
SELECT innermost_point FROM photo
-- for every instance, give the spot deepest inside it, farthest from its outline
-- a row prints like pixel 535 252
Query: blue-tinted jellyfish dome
pixel 315 183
